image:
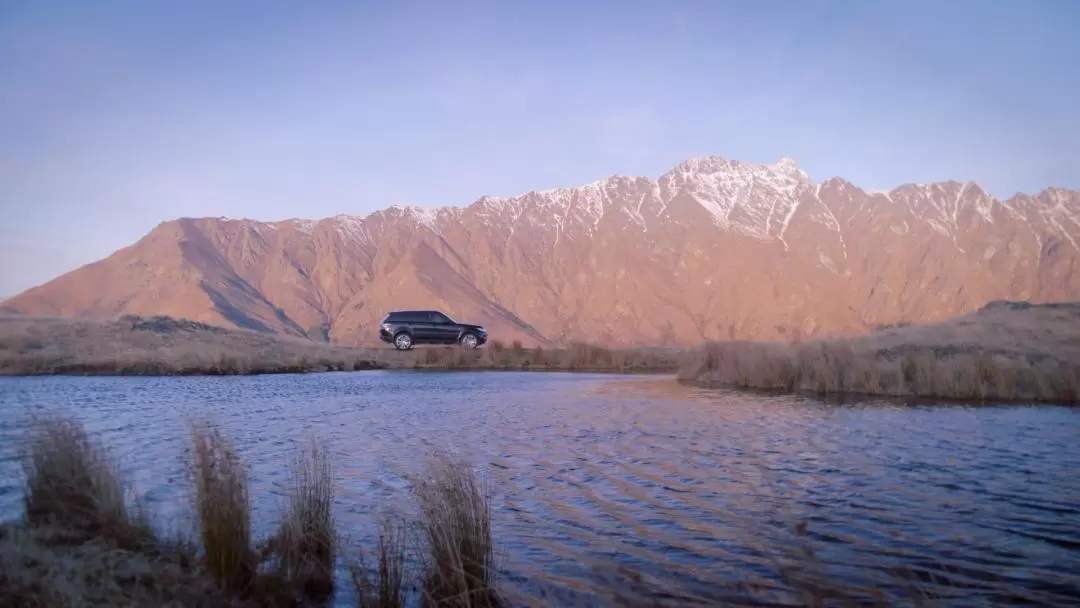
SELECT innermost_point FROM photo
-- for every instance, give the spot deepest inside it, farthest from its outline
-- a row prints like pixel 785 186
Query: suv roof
pixel 414 311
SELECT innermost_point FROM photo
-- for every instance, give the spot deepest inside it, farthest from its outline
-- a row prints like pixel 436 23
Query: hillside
pixel 713 249
pixel 161 346
pixel 1006 351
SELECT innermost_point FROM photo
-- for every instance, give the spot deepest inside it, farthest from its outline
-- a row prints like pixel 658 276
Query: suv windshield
pixel 438 317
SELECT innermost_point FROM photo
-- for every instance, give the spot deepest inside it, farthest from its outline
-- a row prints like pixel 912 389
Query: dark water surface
pixel 695 491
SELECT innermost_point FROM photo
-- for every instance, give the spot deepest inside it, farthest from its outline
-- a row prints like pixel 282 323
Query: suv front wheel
pixel 469 341
pixel 403 341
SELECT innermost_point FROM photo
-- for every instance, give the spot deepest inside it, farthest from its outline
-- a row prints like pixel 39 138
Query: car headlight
pixel 386 327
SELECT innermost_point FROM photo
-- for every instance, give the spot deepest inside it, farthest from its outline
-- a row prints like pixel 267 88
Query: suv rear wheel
pixel 403 341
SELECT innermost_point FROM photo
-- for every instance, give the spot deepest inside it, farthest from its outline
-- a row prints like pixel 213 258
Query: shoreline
pixel 373 368
pixel 162 346
pixel 1005 353
pixel 856 397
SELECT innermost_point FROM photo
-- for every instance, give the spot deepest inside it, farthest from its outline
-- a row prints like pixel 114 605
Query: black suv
pixel 403 328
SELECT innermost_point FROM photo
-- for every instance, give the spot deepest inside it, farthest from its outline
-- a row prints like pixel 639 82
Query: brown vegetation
pixel 162 346
pixel 1007 351
pixel 574 358
pixel 455 516
pixel 80 544
pixel 383 586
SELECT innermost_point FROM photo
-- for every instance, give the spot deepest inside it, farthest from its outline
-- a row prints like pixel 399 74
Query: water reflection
pixel 695 491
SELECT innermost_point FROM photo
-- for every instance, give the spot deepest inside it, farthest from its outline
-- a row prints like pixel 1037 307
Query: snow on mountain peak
pixel 788 166
pixel 755 199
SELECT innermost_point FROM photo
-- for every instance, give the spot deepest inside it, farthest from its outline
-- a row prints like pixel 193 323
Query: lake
pixel 694 490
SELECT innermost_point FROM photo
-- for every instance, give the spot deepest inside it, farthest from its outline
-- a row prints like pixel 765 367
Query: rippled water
pixel 696 491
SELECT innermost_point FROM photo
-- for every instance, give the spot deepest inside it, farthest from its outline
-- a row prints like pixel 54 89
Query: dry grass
pixel 455 517
pixel 574 358
pixel 306 542
pixel 71 480
pixel 223 510
pixel 385 584
pixel 80 545
pixel 161 346
pixel 1004 352
pixel 52 567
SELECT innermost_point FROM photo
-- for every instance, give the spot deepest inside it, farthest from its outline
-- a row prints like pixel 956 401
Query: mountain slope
pixel 713 249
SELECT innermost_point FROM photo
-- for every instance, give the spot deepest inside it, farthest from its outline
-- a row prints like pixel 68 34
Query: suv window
pixel 417 317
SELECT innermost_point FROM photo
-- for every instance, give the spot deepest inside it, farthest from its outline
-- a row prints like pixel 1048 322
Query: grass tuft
pixel 306 541
pixel 384 585
pixel 71 482
pixel 223 510
pixel 455 519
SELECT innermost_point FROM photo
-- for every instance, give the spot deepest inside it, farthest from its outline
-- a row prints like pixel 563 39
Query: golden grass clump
pixel 306 543
pixel 223 510
pixel 459 567
pixel 71 482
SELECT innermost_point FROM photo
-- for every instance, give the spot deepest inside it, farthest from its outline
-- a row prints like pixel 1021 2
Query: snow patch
pixel 758 192
pixel 827 263
pixel 424 216
pixel 305 226
pixel 352 228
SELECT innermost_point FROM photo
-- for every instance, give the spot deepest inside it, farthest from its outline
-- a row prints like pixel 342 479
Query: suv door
pixel 420 326
pixel 442 328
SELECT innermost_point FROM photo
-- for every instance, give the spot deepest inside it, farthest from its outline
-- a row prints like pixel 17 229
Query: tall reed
pixel 459 567
pixel 223 509
pixel 385 584
pixel 306 541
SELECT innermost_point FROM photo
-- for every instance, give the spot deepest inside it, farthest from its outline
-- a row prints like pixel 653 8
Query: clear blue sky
pixel 115 116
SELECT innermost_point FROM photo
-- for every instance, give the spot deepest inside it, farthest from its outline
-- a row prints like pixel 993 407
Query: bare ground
pixel 1004 352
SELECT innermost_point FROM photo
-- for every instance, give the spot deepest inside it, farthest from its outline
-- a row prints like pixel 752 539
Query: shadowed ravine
pixel 712 494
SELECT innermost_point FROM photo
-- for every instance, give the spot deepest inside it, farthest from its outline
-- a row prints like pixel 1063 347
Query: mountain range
pixel 712 249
